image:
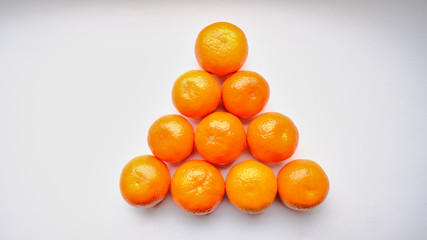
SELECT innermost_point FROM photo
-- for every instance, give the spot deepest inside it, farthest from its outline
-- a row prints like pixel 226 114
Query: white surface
pixel 80 84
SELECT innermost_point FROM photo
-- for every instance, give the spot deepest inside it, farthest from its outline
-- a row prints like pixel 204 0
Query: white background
pixel 80 84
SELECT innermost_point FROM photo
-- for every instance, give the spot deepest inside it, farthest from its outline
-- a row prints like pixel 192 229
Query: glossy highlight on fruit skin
pixel 220 137
pixel 196 93
pixel 171 138
pixel 251 186
pixel 302 184
pixel 245 93
pixel 197 187
pixel 144 181
pixel 221 48
pixel 272 137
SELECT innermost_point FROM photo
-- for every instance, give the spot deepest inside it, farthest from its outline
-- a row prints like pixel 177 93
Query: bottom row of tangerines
pixel 198 187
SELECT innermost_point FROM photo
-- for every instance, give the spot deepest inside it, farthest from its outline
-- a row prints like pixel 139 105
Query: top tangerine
pixel 221 48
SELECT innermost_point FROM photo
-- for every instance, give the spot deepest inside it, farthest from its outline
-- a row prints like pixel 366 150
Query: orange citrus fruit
pixel 196 93
pixel 272 137
pixel 251 186
pixel 197 187
pixel 221 48
pixel 302 184
pixel 171 138
pixel 245 93
pixel 220 137
pixel 144 181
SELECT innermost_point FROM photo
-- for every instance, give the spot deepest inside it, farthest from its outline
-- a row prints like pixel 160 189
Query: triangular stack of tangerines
pixel 197 186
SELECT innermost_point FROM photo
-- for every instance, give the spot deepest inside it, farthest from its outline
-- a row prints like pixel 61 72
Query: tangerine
pixel 197 187
pixel 272 137
pixel 171 138
pixel 144 181
pixel 245 93
pixel 251 186
pixel 220 137
pixel 302 184
pixel 221 48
